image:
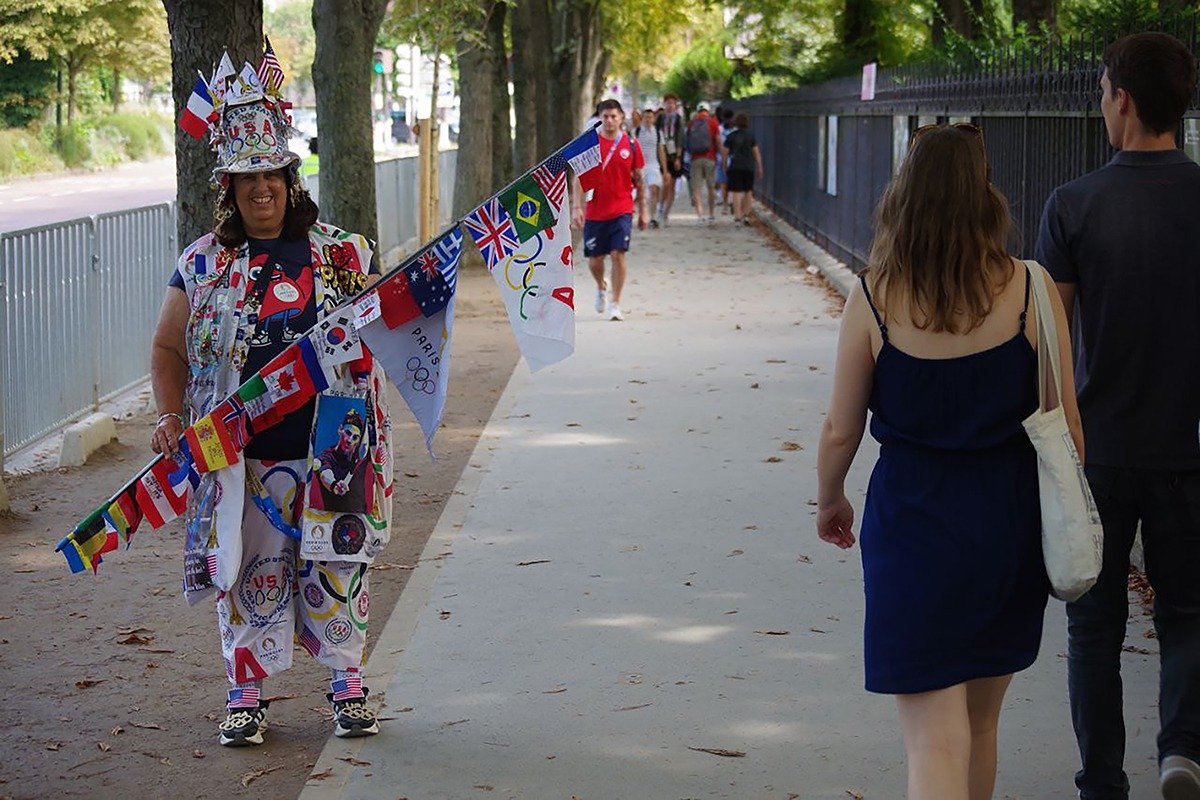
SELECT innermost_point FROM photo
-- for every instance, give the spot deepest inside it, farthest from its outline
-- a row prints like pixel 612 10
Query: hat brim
pixel 263 163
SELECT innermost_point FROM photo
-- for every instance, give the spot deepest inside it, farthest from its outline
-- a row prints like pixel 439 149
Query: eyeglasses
pixel 965 127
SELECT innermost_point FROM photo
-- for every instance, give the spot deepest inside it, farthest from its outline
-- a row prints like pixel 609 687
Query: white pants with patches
pixel 323 604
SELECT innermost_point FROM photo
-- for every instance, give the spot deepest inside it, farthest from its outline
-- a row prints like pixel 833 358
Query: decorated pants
pixel 323 603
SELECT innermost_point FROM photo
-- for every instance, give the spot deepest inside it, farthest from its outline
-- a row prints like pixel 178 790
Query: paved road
pixel 41 201
pixel 628 570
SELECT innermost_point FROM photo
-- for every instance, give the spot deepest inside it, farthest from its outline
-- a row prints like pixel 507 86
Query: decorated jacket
pixel 221 321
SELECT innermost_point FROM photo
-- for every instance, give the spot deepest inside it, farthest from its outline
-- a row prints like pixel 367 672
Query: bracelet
pixel 168 415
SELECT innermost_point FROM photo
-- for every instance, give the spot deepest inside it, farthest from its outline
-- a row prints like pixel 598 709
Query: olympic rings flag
pixel 524 235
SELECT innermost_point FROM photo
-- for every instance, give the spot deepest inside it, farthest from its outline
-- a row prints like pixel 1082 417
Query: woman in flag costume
pixel 247 348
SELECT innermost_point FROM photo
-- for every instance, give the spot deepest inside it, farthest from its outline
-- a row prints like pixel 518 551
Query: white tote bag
pixel 1072 537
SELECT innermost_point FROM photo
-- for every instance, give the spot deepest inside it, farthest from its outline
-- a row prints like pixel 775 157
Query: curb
pixel 86 437
pixel 837 273
pixel 402 623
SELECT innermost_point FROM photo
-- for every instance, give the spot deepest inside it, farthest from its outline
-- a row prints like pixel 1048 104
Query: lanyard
pixel 267 506
pixel 612 151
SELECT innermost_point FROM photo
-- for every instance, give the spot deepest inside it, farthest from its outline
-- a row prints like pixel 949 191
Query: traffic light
pixel 377 67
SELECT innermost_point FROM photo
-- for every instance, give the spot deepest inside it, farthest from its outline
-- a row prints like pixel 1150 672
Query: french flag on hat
pixel 199 106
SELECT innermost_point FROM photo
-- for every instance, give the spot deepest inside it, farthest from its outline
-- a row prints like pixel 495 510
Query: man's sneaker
pixel 614 313
pixel 601 301
pixel 244 726
pixel 352 717
pixel 654 223
pixel 1179 778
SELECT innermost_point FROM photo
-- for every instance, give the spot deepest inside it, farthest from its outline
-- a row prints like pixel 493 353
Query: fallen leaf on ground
pixel 443 614
pixel 1129 648
pixel 104 746
pixel 53 745
pixel 354 762
pixel 754 386
pixel 134 638
pixel 555 691
pixel 854 794
pixel 154 650
pixel 773 633
pixel 817 630
pixel 251 777
pixel 574 425
pixel 116 731
pixel 773 460
pixel 275 697
pixel 197 754
pixel 150 726
pixel 411 475
pixel 487 787
pixel 320 776
pixel 736 553
pixel 88 683
pixel 792 446
pixel 125 630
pixel 381 567
pixel 803 559
pixel 456 722
pixel 531 563
pixel 750 528
pixel 719 751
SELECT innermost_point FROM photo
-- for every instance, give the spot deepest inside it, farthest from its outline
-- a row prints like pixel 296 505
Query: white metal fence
pixel 79 299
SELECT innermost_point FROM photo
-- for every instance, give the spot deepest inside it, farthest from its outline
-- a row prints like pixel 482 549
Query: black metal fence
pixel 828 155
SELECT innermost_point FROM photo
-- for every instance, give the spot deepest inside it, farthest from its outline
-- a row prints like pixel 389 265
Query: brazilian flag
pixel 527 206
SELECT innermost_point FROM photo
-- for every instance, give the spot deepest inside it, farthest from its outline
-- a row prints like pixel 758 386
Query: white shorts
pixel 652 177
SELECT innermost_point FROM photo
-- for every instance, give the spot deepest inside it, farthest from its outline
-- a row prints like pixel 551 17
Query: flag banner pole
pixel 405 263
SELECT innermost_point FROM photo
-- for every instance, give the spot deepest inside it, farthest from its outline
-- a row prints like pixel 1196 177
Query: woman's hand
pixel 834 521
pixel 165 439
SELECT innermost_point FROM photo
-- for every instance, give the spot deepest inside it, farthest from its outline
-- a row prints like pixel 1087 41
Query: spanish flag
pixel 210 443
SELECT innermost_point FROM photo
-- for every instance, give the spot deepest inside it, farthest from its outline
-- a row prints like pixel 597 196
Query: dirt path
pixel 88 716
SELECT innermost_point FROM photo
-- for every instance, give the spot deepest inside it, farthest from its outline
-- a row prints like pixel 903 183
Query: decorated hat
pixel 244 115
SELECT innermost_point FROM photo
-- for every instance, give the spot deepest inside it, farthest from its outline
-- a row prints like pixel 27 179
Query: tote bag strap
pixel 1049 361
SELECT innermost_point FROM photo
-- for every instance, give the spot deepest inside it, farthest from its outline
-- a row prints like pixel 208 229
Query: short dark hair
pixel 742 120
pixel 1158 72
pixel 670 96
pixel 297 219
pixel 726 113
pixel 605 105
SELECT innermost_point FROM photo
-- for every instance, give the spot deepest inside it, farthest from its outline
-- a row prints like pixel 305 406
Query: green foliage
pixel 647 36
pixel 138 136
pixel 26 89
pixel 23 153
pixel 701 73
pixel 289 25
pixel 74 145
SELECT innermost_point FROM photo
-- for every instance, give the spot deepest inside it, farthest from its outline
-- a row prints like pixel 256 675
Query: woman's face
pixel 261 198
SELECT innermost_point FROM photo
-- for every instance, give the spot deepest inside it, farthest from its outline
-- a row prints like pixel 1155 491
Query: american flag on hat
pixel 270 72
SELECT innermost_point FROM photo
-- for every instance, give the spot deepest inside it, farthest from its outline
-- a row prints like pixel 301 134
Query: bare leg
pixel 668 198
pixel 655 194
pixel 698 198
pixel 596 265
pixel 985 696
pixel 712 201
pixel 618 275
pixel 737 204
pixel 937 740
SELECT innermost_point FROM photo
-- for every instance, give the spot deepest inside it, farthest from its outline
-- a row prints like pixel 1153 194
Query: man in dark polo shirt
pixel 1124 241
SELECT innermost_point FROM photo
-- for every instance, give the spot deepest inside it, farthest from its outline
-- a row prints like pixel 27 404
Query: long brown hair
pixel 941 232
pixel 298 217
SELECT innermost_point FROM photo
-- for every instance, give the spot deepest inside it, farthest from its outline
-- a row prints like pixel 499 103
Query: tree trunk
pixel 473 176
pixel 958 16
pixel 502 140
pixel 525 67
pixel 1033 13
pixel 342 70
pixel 116 90
pixel 199 34
pixel 577 57
pixel 72 87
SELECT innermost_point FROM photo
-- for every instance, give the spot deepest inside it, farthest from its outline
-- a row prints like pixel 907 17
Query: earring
pixel 294 194
pixel 224 209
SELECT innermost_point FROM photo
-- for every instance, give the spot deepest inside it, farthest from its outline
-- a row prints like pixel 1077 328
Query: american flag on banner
pixel 551 178
pixel 270 72
pixel 492 231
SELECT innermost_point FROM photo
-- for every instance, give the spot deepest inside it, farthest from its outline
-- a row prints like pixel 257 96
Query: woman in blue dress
pixel 937 341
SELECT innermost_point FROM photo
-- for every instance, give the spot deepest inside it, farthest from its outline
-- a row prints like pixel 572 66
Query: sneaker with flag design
pixel 351 717
pixel 244 726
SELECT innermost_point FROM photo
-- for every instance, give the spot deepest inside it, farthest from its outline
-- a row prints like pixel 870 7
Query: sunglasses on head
pixel 965 127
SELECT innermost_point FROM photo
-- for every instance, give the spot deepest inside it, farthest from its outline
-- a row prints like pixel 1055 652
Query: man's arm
pixel 576 202
pixel 639 200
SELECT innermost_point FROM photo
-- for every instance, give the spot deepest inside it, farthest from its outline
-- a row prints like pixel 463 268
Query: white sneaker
pixel 614 313
pixel 601 300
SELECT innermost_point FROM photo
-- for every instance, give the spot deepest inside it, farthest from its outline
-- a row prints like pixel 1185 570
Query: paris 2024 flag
pixel 524 235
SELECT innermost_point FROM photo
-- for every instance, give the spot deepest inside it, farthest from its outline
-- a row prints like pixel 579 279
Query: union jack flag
pixel 428 262
pixel 270 72
pixel 309 641
pixel 492 231
pixel 551 178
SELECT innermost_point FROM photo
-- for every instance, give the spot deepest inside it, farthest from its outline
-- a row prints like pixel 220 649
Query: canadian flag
pixel 294 376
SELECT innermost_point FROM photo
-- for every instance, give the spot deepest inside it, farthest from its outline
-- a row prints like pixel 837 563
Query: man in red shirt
pixel 609 218
pixel 703 140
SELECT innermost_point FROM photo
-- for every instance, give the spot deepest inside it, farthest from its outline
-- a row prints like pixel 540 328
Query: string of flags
pixel 405 320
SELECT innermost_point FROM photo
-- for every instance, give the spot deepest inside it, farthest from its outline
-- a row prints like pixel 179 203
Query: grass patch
pixel 24 153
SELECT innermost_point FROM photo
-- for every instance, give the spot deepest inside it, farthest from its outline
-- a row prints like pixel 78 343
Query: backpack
pixel 699 137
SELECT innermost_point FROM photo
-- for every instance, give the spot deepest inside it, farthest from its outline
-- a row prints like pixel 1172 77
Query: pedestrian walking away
pixel 672 130
pixel 744 158
pixel 608 222
pixel 1122 244
pixel 649 139
pixel 725 121
pixel 938 343
pixel 703 141
pixel 283 537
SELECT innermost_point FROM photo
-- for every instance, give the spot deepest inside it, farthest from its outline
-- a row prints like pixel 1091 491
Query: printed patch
pixel 363 605
pixel 313 595
pixel 349 534
pixel 264 589
pixel 338 630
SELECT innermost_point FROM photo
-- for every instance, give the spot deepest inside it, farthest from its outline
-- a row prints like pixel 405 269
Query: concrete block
pixel 5 507
pixel 86 437
pixel 838 274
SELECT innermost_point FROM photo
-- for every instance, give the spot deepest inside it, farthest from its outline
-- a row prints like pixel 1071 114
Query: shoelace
pixel 239 719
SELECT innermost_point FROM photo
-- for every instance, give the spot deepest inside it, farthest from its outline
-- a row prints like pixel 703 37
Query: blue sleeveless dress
pixel 956 587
